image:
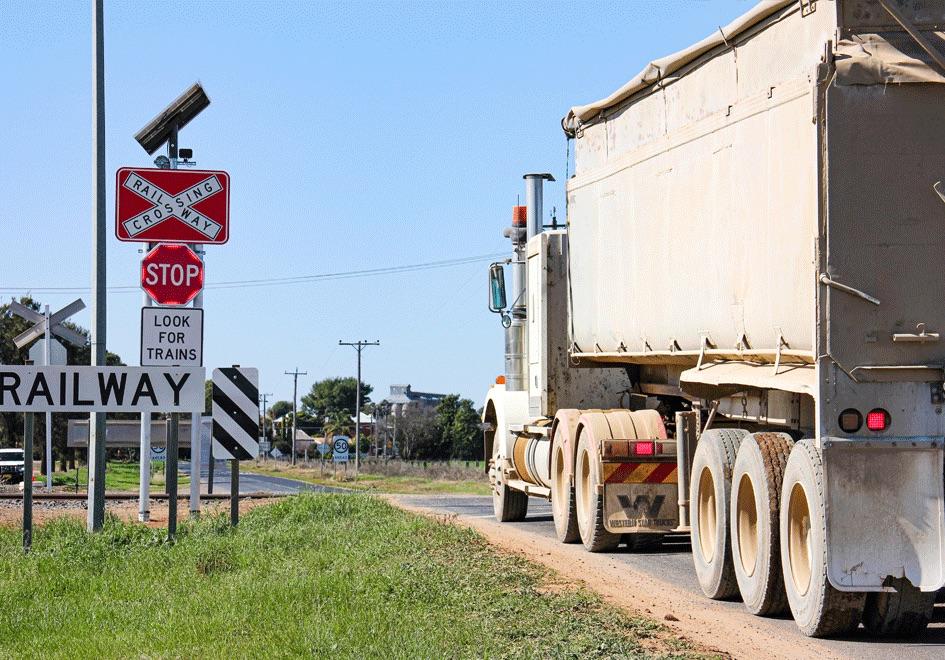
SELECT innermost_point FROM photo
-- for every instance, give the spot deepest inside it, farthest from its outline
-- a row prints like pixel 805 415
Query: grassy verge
pixel 342 576
pixel 119 476
pixel 378 483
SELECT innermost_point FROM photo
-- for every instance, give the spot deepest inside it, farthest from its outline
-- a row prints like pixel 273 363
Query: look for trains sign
pixel 173 206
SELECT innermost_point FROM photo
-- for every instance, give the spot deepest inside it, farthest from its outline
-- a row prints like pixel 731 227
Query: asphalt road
pixel 256 483
pixel 673 564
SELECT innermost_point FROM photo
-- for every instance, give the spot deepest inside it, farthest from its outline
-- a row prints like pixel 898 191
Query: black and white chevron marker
pixel 236 413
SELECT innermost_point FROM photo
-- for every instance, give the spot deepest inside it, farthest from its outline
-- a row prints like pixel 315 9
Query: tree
pixel 461 431
pixel 333 395
pixel 418 435
pixel 208 397
pixel 339 423
pixel 279 408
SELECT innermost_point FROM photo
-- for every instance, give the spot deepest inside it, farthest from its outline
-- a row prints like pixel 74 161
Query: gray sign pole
pixel 46 362
pixel 27 481
pixel 96 503
pixel 171 458
pixel 234 493
pixel 174 428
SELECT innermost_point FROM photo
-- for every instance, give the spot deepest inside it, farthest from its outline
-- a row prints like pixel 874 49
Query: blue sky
pixel 357 136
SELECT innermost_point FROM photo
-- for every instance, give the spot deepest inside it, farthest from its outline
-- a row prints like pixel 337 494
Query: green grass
pixel 401 485
pixel 341 576
pixel 119 476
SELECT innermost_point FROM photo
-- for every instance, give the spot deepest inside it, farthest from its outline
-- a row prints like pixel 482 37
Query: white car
pixel 11 464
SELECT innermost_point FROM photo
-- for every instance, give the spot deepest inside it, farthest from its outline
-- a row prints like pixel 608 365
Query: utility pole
pixel 295 395
pixel 265 398
pixel 358 346
pixel 96 502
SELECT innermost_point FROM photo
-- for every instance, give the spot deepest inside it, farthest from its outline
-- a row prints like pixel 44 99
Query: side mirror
pixel 497 299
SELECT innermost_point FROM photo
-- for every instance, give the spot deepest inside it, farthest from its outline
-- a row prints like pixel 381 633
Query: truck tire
pixel 819 610
pixel 903 613
pixel 710 489
pixel 755 521
pixel 563 508
pixel 589 502
pixel 509 505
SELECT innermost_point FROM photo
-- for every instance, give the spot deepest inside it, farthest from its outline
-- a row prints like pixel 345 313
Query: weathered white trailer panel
pixel 693 212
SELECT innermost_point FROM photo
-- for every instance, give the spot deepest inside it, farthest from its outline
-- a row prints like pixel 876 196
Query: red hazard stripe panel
pixel 620 473
pixel 661 473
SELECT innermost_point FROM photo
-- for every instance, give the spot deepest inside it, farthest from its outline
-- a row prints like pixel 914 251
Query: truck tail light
pixel 850 420
pixel 647 448
pixel 877 420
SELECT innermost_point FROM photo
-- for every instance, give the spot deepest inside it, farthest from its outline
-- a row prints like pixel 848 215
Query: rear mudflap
pixel 885 512
pixel 640 497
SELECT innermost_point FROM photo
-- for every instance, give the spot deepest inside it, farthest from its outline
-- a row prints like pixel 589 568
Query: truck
pixel 737 333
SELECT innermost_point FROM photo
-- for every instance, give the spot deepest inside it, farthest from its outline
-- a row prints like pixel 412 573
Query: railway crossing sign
pixel 173 206
pixel 55 324
pixel 171 336
pixel 172 274
pixel 236 413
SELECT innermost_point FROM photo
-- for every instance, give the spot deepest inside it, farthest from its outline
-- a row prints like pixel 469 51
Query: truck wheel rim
pixel 558 481
pixel 799 539
pixel 707 516
pixel 747 518
pixel 585 485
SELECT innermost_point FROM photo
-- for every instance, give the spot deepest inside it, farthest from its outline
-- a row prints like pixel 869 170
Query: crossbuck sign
pixel 182 206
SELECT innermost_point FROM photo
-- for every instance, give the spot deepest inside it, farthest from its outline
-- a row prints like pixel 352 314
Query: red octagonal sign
pixel 171 274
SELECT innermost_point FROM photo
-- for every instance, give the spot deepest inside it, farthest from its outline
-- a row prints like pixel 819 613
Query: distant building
pixel 403 399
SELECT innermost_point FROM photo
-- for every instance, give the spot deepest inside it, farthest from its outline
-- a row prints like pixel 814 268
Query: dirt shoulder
pixel 737 634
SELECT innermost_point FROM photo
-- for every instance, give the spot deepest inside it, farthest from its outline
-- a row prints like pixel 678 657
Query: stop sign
pixel 171 274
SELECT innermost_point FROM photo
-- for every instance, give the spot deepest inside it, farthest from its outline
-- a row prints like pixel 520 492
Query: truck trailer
pixel 737 333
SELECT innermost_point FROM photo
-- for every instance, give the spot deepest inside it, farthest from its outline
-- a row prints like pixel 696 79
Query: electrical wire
pixel 273 281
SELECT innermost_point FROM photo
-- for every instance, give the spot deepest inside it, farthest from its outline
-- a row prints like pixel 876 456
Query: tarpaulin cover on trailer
pixel 892 57
pixel 661 68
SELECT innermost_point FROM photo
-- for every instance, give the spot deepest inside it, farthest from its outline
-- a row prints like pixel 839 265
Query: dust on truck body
pixel 739 332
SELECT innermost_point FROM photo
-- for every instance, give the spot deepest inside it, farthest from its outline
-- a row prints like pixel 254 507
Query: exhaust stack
pixel 526 223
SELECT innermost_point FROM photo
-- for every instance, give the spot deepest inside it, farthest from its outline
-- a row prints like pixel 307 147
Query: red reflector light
pixel 877 420
pixel 644 448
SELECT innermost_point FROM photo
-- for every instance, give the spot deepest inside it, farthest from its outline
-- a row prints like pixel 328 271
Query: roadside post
pixel 27 482
pixel 235 413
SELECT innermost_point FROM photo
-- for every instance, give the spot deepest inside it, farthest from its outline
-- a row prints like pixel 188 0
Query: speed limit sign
pixel 340 449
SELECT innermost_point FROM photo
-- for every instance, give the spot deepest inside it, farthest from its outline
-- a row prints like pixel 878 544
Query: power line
pixel 299 279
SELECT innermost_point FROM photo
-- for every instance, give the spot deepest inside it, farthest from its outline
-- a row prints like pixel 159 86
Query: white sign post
pixel 171 337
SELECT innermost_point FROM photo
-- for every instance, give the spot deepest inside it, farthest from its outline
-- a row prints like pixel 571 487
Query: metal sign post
pixel 171 471
pixel 27 481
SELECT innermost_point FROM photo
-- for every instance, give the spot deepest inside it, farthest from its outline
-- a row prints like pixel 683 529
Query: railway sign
pixel 172 274
pixel 173 206
pixel 171 336
pixel 101 389
pixel 236 413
